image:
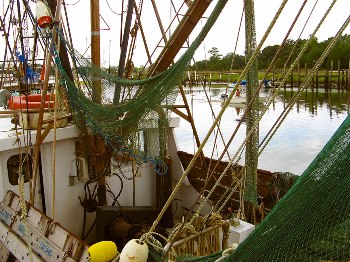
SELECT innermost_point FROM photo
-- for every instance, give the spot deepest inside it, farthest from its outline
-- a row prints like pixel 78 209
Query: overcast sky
pixel 223 35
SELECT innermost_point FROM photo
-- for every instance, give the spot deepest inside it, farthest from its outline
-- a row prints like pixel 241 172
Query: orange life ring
pixel 33 101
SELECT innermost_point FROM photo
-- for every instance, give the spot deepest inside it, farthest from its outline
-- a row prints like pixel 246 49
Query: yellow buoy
pixel 103 251
pixel 134 251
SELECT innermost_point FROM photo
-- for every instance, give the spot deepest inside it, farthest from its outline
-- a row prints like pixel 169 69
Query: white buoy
pixel 135 250
pixel 43 15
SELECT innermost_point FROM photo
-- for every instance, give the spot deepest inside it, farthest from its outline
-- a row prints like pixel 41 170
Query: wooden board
pixel 47 239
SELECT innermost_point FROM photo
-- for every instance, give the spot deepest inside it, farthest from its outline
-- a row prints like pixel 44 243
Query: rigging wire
pixel 184 175
pixel 249 105
pixel 64 2
pixel 290 55
pixel 161 39
pixel 114 12
pixel 319 62
pixel 269 101
pixel 274 59
pixel 305 84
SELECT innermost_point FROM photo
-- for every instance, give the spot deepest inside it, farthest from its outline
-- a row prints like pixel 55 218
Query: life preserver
pixel 33 101
pixel 43 14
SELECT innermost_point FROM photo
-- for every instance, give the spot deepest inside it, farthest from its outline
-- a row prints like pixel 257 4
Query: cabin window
pixel 13 164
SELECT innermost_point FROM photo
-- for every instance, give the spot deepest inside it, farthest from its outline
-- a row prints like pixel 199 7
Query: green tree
pixel 266 56
pixel 215 55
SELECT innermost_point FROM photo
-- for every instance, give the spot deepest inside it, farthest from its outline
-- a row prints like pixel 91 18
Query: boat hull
pixel 270 186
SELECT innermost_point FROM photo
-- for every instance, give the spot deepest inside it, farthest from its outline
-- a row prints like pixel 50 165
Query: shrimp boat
pixel 98 165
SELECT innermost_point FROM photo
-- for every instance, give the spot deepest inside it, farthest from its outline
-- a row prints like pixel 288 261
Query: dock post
pixel 305 72
pixel 348 76
pixel 298 76
pixel 338 74
pixel 317 79
pixel 330 75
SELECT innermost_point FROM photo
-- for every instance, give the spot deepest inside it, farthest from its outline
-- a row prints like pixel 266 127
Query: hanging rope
pixel 250 62
pixel 22 201
pixel 294 64
pixel 305 84
pixel 269 101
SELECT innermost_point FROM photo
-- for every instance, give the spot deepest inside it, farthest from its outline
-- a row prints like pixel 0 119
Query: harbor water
pixel 301 136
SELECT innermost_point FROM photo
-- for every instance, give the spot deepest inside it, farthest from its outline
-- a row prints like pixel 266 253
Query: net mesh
pixel 312 221
pixel 123 111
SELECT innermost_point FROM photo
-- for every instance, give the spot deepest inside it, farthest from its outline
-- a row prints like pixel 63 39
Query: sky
pixel 222 36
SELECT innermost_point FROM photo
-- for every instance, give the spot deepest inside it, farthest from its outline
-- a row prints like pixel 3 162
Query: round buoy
pixel 103 251
pixel 135 250
pixel 43 14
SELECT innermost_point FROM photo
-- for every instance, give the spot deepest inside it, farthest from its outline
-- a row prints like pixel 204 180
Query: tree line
pixel 290 51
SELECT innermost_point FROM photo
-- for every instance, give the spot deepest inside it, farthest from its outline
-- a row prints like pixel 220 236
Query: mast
pixel 63 51
pixel 95 46
pixel 124 48
pixel 99 152
pixel 251 154
pixel 178 38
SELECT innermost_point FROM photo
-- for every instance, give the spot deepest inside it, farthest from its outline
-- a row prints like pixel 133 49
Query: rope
pixel 54 151
pixel 269 101
pixel 182 231
pixel 294 64
pixel 257 92
pixel 22 201
pixel 268 104
pixel 275 93
pixel 250 62
pixel 77 2
pixel 306 82
pixel 227 252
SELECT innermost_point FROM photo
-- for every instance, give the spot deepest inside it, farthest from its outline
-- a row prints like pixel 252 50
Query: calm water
pixel 299 139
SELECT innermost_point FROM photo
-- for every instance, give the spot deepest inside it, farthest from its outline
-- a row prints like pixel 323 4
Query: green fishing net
pixel 312 221
pixel 124 112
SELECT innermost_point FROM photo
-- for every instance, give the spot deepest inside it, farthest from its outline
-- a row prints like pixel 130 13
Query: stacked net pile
pixel 311 222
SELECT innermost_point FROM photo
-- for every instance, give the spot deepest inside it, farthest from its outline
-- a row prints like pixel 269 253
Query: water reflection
pixel 336 101
pixel 310 124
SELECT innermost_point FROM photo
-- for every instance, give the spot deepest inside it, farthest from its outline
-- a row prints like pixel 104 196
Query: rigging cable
pixel 314 71
pixel 298 58
pixel 113 10
pixel 245 70
pixel 292 68
pixel 306 82
pixel 64 2
pixel 249 105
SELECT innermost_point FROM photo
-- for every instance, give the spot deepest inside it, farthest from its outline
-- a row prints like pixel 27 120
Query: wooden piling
pixel 330 75
pixel 298 75
pixel 338 85
pixel 305 72
pixel 317 79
